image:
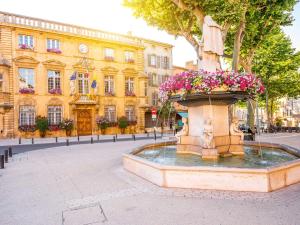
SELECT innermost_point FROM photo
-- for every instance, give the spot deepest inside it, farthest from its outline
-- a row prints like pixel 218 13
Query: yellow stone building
pixel 64 71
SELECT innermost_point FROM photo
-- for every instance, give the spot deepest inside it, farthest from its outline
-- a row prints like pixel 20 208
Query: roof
pixel 53 26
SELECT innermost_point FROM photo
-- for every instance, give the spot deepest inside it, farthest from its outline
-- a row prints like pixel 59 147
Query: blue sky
pixel 294 31
pixel 110 15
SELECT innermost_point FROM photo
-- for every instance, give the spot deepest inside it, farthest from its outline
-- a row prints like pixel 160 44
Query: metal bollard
pixel 10 151
pixel 1 161
pixel 174 132
pixel 92 140
pixel 20 140
pixel 78 138
pixel 155 136
pixel 6 156
pixel 97 137
pixel 56 139
pixel 133 136
pixel 114 138
pixel 32 140
pixel 67 142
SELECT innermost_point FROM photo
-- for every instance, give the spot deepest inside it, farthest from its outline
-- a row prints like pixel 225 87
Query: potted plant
pixel 102 124
pixel 122 123
pixel 67 125
pixel 42 125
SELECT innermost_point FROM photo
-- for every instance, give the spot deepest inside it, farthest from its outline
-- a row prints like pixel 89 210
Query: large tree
pixel 278 64
pixel 245 24
pixel 237 18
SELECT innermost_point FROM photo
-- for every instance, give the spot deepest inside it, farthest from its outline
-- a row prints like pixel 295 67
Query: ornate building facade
pixel 64 71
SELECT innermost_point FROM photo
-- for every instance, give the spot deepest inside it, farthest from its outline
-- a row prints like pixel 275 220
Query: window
pixel 110 113
pixel 152 60
pixel 129 112
pixel 155 98
pixel 154 79
pixel 165 62
pixel 109 54
pixel 25 41
pixel 27 115
pixel 129 57
pixel 1 82
pixel 54 115
pixel 109 85
pixel 53 44
pixel 53 80
pixel 26 78
pixel 129 84
pixel 83 83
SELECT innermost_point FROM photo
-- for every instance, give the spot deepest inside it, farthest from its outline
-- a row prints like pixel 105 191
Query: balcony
pixel 4 100
pixel 35 23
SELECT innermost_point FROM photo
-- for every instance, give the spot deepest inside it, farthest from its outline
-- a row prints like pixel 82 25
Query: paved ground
pixel 86 184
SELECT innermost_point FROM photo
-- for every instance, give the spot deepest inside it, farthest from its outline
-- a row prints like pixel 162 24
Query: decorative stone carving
pixel 52 63
pixel 184 131
pixel 208 137
pixel 25 61
pixel 235 131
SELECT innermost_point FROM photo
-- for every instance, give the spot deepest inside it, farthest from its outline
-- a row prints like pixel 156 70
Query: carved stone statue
pixel 234 129
pixel 184 131
pixel 208 138
pixel 211 45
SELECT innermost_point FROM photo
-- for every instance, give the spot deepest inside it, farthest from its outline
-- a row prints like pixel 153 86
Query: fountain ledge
pixel 216 178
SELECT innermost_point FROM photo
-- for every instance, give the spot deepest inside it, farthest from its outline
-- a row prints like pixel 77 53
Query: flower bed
pixel 54 50
pixel 110 93
pixel 55 91
pixel 129 60
pixel 26 91
pixel 24 46
pixel 27 128
pixel 130 93
pixel 109 58
pixel 54 127
pixel 197 82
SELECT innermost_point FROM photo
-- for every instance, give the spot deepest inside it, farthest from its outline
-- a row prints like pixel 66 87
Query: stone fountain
pixel 210 152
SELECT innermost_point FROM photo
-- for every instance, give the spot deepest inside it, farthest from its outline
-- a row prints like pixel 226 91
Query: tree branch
pixel 197 12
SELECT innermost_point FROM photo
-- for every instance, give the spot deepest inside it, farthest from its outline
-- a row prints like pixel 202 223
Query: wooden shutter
pixel 149 60
pixel 150 77
pixel 158 61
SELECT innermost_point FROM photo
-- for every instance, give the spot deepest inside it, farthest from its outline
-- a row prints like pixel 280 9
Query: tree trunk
pixel 271 111
pixel 267 109
pixel 238 38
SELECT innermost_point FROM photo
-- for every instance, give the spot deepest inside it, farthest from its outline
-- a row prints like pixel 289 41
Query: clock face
pixel 83 48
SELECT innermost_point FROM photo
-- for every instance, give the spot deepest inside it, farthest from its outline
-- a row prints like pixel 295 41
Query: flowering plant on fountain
pixel 197 82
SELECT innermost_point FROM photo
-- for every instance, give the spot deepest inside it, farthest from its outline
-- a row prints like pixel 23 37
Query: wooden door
pixel 84 122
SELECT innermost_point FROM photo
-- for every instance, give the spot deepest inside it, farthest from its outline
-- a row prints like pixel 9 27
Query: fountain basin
pixel 215 175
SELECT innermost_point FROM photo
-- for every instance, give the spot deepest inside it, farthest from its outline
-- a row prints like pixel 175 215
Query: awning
pixel 183 114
